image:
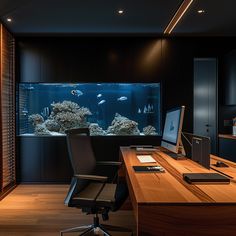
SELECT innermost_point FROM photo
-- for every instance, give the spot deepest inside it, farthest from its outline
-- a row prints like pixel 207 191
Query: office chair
pixel 90 192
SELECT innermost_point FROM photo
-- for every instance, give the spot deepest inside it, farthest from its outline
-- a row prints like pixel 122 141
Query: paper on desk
pixel 145 158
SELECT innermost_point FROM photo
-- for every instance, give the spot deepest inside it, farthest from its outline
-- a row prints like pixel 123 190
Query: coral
pixel 95 129
pixel 69 120
pixel 65 106
pixel 52 125
pixel 149 130
pixel 40 129
pixel 121 125
pixel 64 115
pixel 69 115
pixel 35 119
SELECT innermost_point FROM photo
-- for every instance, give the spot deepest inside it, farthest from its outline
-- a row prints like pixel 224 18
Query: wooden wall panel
pixel 7 111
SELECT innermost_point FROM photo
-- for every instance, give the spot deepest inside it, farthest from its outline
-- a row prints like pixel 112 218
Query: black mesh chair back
pixel 80 151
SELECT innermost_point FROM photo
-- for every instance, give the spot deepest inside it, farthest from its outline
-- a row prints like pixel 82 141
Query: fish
pixel 45 112
pixel 101 102
pixel 99 95
pixel 76 92
pixel 24 111
pixel 123 98
pixel 139 111
pixel 28 87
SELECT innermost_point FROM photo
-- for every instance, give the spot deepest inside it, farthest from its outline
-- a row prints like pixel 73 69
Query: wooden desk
pixel 164 204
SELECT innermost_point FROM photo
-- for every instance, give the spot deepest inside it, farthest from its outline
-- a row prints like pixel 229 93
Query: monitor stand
pixel 177 156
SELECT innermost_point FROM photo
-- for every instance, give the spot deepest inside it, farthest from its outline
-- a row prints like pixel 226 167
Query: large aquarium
pixel 105 108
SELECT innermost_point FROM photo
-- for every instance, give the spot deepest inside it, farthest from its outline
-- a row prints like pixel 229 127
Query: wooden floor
pixel 39 210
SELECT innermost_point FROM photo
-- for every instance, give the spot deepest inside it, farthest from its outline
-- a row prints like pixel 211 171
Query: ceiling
pixel 101 16
pixel 219 19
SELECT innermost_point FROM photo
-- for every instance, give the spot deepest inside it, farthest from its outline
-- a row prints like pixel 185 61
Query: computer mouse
pixel 221 164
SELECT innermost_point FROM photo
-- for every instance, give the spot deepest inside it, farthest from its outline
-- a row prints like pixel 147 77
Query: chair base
pixel 96 227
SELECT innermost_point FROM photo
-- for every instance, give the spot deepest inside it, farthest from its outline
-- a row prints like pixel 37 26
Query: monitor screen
pixel 171 127
pixel 171 138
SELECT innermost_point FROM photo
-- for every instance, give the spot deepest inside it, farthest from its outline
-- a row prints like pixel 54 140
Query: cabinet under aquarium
pixel 107 109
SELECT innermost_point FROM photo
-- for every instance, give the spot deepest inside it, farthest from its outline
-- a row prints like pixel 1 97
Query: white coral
pixel 149 130
pixel 121 125
pixel 35 119
pixel 69 115
pixel 95 130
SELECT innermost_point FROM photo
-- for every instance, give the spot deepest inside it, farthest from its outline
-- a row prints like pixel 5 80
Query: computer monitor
pixel 171 138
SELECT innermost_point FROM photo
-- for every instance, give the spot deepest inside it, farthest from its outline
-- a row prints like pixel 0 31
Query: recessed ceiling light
pixel 201 11
pixel 120 12
pixel 9 20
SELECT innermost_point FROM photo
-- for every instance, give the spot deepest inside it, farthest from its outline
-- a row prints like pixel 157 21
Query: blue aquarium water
pixel 106 108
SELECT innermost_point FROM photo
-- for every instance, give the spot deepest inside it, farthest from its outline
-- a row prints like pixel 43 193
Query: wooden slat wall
pixel 7 111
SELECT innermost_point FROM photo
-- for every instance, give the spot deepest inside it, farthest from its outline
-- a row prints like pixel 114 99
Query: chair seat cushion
pixel 87 196
pixel 111 196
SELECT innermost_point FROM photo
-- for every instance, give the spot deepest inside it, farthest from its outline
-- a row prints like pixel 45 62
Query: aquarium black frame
pixel 97 82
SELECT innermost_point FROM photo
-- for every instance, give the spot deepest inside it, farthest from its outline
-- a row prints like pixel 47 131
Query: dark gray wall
pixel 123 59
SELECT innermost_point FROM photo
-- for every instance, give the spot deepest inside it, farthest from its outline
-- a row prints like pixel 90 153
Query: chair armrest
pixel 109 163
pixel 92 177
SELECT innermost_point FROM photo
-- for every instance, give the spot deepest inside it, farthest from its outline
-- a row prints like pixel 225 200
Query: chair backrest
pixel 80 151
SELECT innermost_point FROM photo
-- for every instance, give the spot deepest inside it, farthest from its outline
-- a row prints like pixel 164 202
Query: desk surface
pixel 227 136
pixel 170 188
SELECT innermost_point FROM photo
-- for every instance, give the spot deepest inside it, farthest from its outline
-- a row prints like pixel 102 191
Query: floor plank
pixel 33 210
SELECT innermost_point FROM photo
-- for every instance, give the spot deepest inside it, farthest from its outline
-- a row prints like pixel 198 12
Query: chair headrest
pixel 78 131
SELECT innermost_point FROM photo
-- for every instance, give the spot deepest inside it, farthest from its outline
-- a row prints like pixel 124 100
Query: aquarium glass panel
pixel 106 108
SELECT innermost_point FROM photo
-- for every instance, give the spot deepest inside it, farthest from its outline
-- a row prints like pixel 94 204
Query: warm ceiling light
pixel 201 11
pixel 9 20
pixel 178 15
pixel 120 12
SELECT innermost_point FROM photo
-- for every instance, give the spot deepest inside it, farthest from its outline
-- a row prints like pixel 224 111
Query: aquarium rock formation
pixel 149 130
pixel 52 125
pixel 121 125
pixel 96 130
pixel 35 119
pixel 40 129
pixel 69 115
pixel 65 115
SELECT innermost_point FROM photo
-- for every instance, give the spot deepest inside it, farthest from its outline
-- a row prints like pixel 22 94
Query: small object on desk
pixel 141 146
pixel 148 169
pixel 145 149
pixel 146 159
pixel 194 178
pixel 221 164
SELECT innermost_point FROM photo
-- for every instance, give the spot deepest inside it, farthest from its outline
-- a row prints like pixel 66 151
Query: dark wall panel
pixel 123 59
pixel 90 60
pixel 230 78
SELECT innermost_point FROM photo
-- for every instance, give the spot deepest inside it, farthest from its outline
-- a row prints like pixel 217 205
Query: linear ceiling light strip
pixel 178 15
